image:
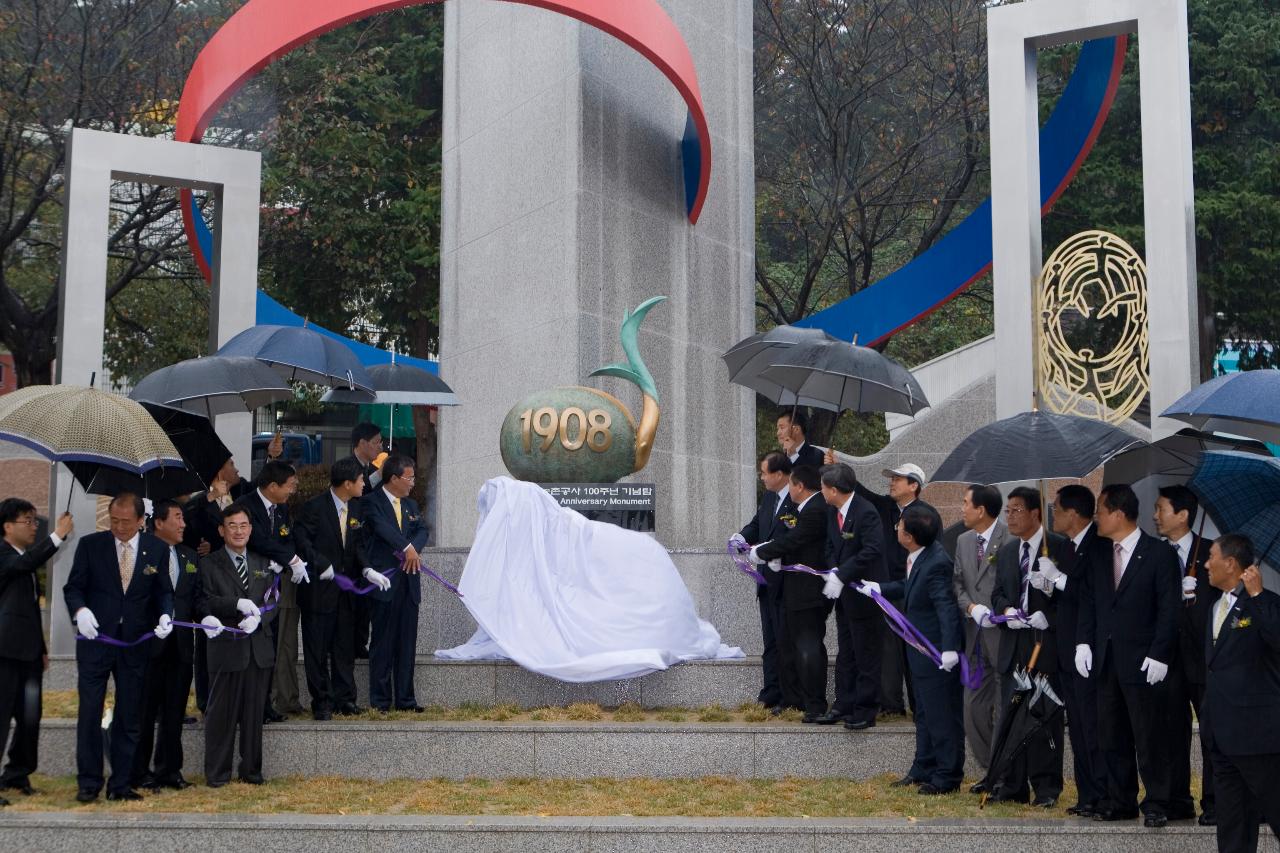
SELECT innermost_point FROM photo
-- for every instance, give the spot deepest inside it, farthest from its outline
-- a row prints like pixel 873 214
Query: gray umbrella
pixel 215 385
pixel 846 377
pixel 749 357
pixel 301 354
pixel 398 383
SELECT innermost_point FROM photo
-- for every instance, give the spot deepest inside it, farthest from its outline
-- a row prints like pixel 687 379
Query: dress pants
pixel 1040 762
pixel 981 708
pixel 858 661
pixel 808 628
pixel 284 681
pixel 939 718
pixel 1246 792
pixel 202 671
pixel 362 607
pixel 1132 720
pixel 20 700
pixel 164 703
pixel 328 654
pixel 235 699
pixel 1185 697
pixel 1081 698
pixel 392 650
pixel 771 690
pixel 894 671
pixel 127 667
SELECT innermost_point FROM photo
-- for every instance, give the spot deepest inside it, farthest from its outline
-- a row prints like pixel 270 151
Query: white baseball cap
pixel 910 470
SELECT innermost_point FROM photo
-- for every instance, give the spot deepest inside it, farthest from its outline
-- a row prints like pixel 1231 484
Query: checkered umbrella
pixel 1242 493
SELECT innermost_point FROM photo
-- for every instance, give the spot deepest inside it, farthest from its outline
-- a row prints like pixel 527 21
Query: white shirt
pixel 1034 542
pixel 805 502
pixel 133 546
pixel 984 536
pixel 1079 537
pixel 1127 544
pixel 783 494
pixel 266 502
pixel 1230 599
pixel 339 504
pixel 1183 547
pixel 911 560
pixel 844 510
pixel 794 456
pixel 395 501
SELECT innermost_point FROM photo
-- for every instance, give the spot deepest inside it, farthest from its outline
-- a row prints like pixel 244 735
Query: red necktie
pixel 839 520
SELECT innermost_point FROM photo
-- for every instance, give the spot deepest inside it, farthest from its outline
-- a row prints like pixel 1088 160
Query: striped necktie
pixel 242 572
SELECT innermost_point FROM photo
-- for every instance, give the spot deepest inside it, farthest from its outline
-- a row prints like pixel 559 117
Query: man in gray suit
pixel 975 576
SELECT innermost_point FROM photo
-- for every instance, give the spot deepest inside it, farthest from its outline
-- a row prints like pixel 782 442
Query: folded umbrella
pixel 214 385
pixel 846 377
pixel 301 354
pixel 1033 706
pixel 1246 403
pixel 1241 491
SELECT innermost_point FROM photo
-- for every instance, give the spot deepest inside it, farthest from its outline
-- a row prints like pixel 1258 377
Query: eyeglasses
pixel 31 522
pixel 1009 510
pixel 238 527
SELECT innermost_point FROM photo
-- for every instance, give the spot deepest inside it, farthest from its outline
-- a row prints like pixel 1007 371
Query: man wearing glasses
pixel 394 534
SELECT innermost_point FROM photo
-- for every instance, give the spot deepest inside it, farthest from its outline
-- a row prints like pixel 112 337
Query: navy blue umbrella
pixel 1245 404
pixel 301 354
pixel 1242 493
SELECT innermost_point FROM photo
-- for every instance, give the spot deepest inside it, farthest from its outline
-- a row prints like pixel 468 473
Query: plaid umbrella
pixel 1242 493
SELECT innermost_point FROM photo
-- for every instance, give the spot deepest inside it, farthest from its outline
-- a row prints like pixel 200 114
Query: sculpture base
pixel 628 505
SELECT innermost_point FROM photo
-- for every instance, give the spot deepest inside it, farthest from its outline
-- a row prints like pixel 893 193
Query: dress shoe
pixel 1083 810
pixel 1208 819
pixel 930 789
pixel 1115 814
pixel 253 780
pixel 1181 814
pixel 417 709
pixel 216 784
pixel 810 718
pixel 362 654
pixel 178 784
pixel 321 716
pixel 978 788
pixel 189 721
pixel 859 725
pixel 3 801
pixel 1045 802
pixel 124 794
pixel 776 711
pixel 1155 820
pixel 999 795
pixel 830 718
pixel 84 795
pixel 272 716
pixel 349 710
pixel 904 782
pixel 25 789
pixel 379 710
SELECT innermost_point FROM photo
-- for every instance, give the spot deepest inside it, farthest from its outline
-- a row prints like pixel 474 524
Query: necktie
pixel 1117 564
pixel 271 518
pixel 173 566
pixel 342 524
pixel 126 564
pixel 395 504
pixel 982 550
pixel 1182 558
pixel 910 562
pixel 240 570
pixel 1025 565
pixel 839 520
pixel 1220 616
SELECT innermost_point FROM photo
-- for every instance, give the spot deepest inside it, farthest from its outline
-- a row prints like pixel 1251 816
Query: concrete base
pixel 471 834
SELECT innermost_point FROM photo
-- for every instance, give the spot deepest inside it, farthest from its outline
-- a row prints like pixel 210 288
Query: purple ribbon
pixel 735 553
pixel 272 594
pixel 348 585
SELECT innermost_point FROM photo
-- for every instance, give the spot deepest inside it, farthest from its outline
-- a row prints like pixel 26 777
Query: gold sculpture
pixel 1092 310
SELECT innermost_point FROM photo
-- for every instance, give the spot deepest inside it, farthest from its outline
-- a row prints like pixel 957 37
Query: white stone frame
pixel 1014 34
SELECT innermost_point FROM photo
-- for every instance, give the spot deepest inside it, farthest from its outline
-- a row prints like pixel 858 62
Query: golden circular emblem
pixel 1092 298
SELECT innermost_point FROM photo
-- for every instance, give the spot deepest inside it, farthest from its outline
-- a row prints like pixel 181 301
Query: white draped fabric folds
pixel 574 599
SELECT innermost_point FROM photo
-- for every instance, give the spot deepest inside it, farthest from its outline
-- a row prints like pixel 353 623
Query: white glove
pixel 1038 621
pixel 1048 569
pixel 1014 623
pixel 164 627
pixel 275 567
pixel 775 565
pixel 833 586
pixel 299 571
pixel 327 574
pixel 1041 582
pixel 248 608
pixel 981 615
pixel 1188 588
pixel 214 624
pixel 949 661
pixel 1084 660
pixel 378 579
pixel 1155 670
pixel 868 587
pixel 86 623
pixel 738 539
pixel 754 555
pixel 249 624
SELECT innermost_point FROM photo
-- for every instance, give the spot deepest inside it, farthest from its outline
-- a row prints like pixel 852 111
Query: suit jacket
pixel 94 582
pixel 1242 690
pixel 929 599
pixel 273 541
pixel 320 544
pixel 762 527
pixel 974 583
pixel 21 631
pixel 1138 620
pixel 856 551
pixel 184 603
pixel 804 543
pixel 1016 645
pixel 1079 565
pixel 809 455
pixel 384 540
pixel 217 593
pixel 890 512
pixel 1194 616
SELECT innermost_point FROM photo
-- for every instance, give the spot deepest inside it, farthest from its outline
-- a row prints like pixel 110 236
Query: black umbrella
pixel 302 354
pixel 214 385
pixel 156 483
pixel 846 377
pixel 1034 446
pixel 401 384
pixel 748 358
pixel 1033 706
pixel 1173 459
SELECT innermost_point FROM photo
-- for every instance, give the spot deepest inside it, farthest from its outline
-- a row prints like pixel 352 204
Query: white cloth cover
pixel 574 599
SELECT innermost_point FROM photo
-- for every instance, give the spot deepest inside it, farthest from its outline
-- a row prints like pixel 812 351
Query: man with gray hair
pixel 855 550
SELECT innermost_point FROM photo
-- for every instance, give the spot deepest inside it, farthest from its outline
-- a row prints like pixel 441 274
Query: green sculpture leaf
pixel 634 370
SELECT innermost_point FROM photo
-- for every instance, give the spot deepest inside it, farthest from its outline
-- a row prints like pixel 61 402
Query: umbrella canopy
pixel 398 383
pixel 195 439
pixel 841 376
pixel 71 423
pixel 1241 491
pixel 1173 459
pixel 301 354
pixel 1034 446
pixel 214 385
pixel 1245 403
pixel 1032 707
pixel 156 484
pixel 749 357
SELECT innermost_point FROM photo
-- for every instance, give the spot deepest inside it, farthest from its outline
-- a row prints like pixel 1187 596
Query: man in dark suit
pixel 1128 634
pixel 780 688
pixel 22 649
pixel 1242 695
pixel 929 598
pixel 366 447
pixel 1073 518
pixel 118 586
pixel 792 429
pixel 1176 509
pixel 394 534
pixel 855 549
pixel 168 678
pixel 233 587
pixel 272 537
pixel 803 542
pixel 1014 594
pixel 328 535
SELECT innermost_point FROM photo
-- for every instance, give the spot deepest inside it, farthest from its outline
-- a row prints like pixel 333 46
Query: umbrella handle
pixel 1035 656
pixel 1195 555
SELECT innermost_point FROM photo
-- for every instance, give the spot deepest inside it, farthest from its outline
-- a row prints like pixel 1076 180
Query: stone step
pixel 286 833
pixel 393 750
